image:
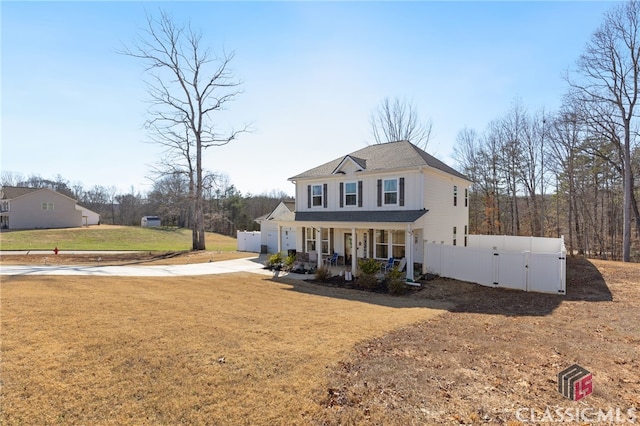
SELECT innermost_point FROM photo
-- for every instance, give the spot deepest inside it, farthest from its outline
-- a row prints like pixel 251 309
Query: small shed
pixel 148 221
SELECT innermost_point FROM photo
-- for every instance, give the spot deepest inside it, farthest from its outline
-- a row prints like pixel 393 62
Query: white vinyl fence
pixel 248 241
pixel 522 263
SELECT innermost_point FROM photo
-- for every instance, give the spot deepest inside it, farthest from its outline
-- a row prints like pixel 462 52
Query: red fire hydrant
pixel 55 250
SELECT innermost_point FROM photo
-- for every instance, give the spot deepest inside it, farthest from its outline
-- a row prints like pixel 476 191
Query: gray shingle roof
pixel 402 216
pixel 11 192
pixel 385 156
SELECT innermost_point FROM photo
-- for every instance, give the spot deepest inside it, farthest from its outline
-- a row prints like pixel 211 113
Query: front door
pixel 348 248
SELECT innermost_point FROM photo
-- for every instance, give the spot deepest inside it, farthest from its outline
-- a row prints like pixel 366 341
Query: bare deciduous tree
pixel 606 78
pixel 397 120
pixel 187 85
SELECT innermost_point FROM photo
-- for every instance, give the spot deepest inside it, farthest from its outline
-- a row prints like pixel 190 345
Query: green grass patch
pixel 106 237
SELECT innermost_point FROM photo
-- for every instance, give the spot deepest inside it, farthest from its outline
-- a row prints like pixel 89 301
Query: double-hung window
pixel 47 206
pixel 390 191
pixel 350 194
pixel 316 195
pixel 455 195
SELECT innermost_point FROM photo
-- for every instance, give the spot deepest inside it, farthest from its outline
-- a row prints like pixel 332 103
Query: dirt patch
pixel 497 352
pixel 113 259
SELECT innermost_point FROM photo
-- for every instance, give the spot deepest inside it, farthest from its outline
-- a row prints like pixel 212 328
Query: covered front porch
pixel 354 241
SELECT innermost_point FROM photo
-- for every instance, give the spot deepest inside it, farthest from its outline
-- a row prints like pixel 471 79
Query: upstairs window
pixel 316 197
pixel 390 195
pixel 47 206
pixel 466 197
pixel 455 195
pixel 350 194
pixel 455 231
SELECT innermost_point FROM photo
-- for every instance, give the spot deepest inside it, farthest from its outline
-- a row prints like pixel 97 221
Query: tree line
pixel 571 172
pixel 225 209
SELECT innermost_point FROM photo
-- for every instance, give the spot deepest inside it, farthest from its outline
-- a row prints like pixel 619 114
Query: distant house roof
pixel 385 156
pixel 403 216
pixel 11 192
pixel 290 205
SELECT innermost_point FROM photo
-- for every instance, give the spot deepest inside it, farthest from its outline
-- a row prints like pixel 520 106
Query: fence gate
pixel 248 241
pixel 520 270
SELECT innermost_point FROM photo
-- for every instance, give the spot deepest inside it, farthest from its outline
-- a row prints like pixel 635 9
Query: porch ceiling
pixel 397 216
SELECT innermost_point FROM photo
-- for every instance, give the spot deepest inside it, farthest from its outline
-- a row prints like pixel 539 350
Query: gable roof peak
pixel 383 156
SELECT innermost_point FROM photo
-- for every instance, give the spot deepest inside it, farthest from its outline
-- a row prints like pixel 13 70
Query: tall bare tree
pixel 607 78
pixel 187 85
pixel 397 120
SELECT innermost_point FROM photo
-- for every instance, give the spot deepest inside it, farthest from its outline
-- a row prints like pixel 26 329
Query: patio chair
pixel 386 267
pixel 331 260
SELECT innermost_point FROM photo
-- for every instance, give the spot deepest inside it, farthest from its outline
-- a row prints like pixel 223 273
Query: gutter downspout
pixel 408 248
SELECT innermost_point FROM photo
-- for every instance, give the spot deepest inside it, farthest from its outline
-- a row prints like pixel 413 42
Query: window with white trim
pixel 324 241
pixel 350 194
pixel 455 231
pixel 310 237
pixel 398 244
pixel 316 196
pixel 455 195
pixel 390 191
pixel 47 206
pixel 466 198
pixel 381 241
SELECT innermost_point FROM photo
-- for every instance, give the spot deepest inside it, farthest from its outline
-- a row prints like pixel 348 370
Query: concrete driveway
pixel 253 265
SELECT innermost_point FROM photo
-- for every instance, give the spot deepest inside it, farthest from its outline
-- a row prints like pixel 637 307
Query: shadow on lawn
pixel 584 284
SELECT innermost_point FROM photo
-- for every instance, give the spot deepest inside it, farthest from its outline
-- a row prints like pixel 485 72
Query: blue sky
pixel 313 73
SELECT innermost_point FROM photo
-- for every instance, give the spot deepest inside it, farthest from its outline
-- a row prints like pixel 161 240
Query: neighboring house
pixel 382 201
pixel 32 208
pixel 269 229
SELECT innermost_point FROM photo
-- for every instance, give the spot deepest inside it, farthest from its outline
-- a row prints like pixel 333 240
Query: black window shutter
pixel 324 195
pixel 379 192
pixel 359 193
pixel 341 194
pixel 402 191
pixel 309 196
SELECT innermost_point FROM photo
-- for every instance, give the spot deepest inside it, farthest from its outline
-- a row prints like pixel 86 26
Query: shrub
pixel 369 266
pixel 289 261
pixel 395 282
pixel 275 260
pixel 369 269
pixel 323 273
pixel 368 281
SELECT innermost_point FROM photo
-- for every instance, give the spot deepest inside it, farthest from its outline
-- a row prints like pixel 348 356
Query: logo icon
pixel 575 382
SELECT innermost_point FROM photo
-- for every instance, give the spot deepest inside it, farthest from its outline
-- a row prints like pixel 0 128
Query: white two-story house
pixel 381 201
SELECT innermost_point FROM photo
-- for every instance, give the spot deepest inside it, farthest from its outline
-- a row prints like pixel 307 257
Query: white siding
pixel 412 189
pixel 443 215
pixel 27 212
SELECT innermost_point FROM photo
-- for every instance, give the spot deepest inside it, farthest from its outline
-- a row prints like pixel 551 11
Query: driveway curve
pixel 252 265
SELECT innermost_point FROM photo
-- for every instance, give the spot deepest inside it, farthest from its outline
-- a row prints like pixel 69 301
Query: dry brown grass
pixel 497 351
pixel 224 349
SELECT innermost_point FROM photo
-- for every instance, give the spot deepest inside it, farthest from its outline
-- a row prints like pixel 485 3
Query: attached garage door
pixel 288 239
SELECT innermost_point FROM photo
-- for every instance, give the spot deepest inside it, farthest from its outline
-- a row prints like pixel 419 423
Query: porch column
pixel 279 238
pixel 408 250
pixel 354 252
pixel 319 246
